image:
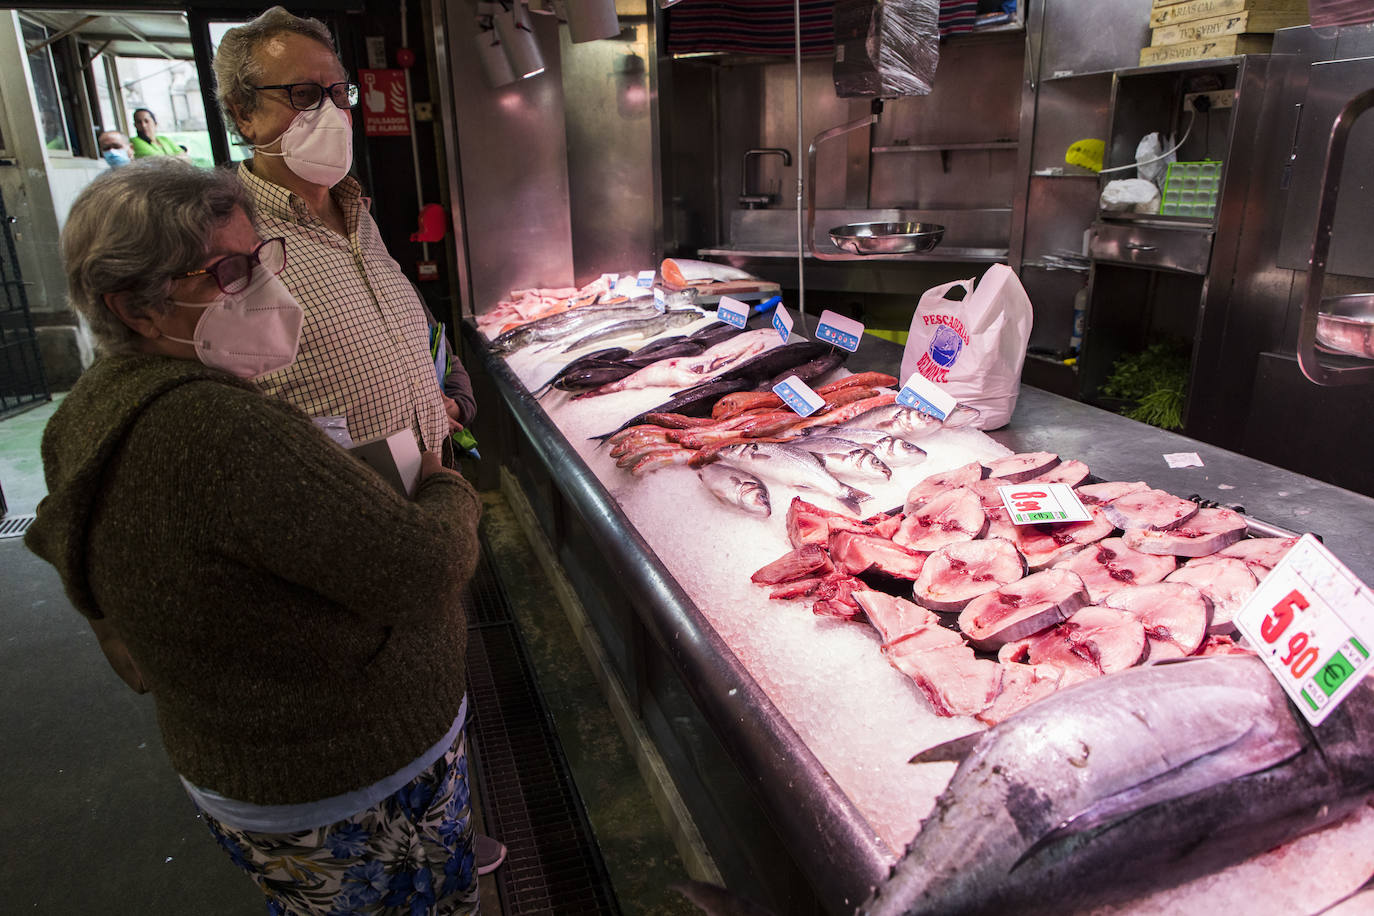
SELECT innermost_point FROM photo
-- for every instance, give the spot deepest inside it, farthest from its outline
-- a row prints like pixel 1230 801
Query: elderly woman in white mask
pixel 298 622
pixel 365 347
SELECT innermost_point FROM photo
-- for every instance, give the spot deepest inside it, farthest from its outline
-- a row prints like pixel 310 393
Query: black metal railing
pixel 22 383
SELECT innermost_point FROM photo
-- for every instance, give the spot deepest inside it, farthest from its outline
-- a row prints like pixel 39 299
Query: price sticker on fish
pixel 732 312
pixel 920 393
pixel 660 299
pixel 799 396
pixel 1312 621
pixel 782 322
pixel 1034 503
pixel 839 330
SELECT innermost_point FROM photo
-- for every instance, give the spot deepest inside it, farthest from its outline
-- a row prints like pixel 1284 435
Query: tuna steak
pixel 954 681
pixel 893 617
pixel 1121 785
pixel 952 516
pixel 936 484
pixel 1226 582
pixel 860 553
pixel 1260 554
pixel 955 575
pixel 1175 616
pixel 1044 545
pixel 1022 608
pixel 1022 685
pixel 1072 473
pixel 1109 565
pixel 1203 534
pixel 1022 467
pixel 1152 509
pixel 1093 642
pixel 1096 494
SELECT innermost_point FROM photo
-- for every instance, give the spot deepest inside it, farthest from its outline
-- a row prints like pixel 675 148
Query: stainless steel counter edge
pixel 831 840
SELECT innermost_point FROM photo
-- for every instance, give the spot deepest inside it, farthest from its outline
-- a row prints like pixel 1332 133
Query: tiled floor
pixel 94 817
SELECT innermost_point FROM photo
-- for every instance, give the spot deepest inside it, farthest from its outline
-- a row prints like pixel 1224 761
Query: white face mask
pixel 317 145
pixel 249 333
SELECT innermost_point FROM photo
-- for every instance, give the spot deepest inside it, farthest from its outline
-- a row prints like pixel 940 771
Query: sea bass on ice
pixel 792 467
pixel 566 323
pixel 1124 784
pixel 737 488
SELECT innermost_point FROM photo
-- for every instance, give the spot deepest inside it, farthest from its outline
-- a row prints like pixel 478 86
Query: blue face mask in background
pixel 115 157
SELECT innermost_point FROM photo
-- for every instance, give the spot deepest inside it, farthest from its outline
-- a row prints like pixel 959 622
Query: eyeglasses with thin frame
pixel 234 272
pixel 309 96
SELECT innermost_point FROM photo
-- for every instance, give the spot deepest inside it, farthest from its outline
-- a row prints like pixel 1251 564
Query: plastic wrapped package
pixel 886 48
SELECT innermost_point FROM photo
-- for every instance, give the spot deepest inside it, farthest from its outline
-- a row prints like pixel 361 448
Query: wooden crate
pixel 1246 22
pixel 1224 46
pixel 1165 14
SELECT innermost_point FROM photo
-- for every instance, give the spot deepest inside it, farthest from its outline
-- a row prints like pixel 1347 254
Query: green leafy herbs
pixel 1153 383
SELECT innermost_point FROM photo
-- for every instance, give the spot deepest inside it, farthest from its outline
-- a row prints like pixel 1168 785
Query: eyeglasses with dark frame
pixel 234 272
pixel 309 96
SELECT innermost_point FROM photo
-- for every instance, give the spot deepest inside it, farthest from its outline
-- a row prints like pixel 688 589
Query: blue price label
pixel 645 279
pixel 732 312
pixel 782 322
pixel 838 330
pixel 908 398
pixel 797 395
pixel 660 300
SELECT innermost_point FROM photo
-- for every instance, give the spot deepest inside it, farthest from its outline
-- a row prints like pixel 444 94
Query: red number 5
pixel 1272 627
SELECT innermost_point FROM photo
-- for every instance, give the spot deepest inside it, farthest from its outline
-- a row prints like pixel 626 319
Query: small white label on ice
pixel 660 300
pixel 1033 503
pixel 782 322
pixel 1183 460
pixel 839 330
pixel 920 393
pixel 1312 621
pixel 645 279
pixel 799 396
pixel 732 312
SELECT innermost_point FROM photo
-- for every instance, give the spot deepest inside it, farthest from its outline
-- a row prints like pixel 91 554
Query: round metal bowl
pixel 1345 325
pixel 886 238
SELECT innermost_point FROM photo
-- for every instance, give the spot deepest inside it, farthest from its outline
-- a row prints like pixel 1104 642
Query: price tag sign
pixel 610 280
pixel 920 393
pixel 1032 503
pixel 732 312
pixel 645 279
pixel 660 300
pixel 798 395
pixel 1312 622
pixel 782 322
pixel 838 330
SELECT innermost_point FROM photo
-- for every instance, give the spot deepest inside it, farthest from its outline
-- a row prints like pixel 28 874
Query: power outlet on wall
pixel 1208 101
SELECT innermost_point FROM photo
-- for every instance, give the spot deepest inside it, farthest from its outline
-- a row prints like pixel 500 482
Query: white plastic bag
pixel 974 348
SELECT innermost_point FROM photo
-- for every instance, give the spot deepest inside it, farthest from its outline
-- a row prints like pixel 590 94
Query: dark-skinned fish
pixel 637 328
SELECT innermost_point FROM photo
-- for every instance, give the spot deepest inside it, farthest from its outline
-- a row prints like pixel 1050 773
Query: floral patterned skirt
pixel 409 855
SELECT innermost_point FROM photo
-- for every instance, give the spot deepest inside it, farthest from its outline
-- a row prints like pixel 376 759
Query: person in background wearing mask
pixel 364 352
pixel 148 143
pixel 298 622
pixel 115 148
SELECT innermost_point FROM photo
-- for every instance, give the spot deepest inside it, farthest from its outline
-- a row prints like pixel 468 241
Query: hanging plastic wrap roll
pixel 886 48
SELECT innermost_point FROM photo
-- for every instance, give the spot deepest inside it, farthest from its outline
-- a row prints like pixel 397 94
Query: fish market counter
pixel 786 735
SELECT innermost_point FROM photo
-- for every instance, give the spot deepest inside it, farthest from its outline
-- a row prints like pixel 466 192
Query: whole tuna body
pixel 1125 784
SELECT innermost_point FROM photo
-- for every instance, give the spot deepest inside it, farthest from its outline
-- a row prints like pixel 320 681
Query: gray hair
pixel 133 230
pixel 236 65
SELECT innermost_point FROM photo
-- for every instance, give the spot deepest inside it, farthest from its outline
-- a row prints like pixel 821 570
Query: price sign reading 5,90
pixel 1311 621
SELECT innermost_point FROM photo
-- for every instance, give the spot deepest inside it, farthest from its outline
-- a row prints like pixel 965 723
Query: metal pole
pixel 801 148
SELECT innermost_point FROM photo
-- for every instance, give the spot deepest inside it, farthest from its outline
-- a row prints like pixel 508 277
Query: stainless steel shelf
pixel 972 255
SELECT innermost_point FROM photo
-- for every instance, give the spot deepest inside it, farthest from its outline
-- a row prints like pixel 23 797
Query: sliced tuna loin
pixel 1096 494
pixel 806 524
pixel 1152 509
pixel 894 617
pixel 1175 616
pixel 955 575
pixel 947 480
pixel 1043 545
pixel 956 682
pixel 1016 468
pixel 855 553
pixel 1109 565
pixel 1022 685
pixel 999 524
pixel 1260 554
pixel 987 492
pixel 1022 608
pixel 1226 582
pixel 1096 640
pixel 804 562
pixel 1202 535
pixel 1072 473
pixel 882 525
pixel 955 515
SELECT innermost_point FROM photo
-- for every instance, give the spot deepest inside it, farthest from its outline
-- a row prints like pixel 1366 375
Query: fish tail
pixel 852 498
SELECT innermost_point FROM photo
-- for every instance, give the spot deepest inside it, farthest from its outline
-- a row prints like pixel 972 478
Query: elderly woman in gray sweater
pixel 297 621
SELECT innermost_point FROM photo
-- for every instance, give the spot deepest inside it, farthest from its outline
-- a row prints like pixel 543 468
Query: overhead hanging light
pixel 517 35
pixel 590 20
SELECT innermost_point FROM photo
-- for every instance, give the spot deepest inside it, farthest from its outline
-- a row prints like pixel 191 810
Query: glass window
pixel 102 75
pixel 170 89
pixel 51 116
pixel 238 150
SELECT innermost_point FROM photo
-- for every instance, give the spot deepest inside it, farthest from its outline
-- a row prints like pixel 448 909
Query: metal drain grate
pixel 14 526
pixel 524 785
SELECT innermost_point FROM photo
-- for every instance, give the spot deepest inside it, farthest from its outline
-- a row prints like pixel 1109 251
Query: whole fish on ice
pixel 792 467
pixel 891 450
pixel 843 458
pixel 637 328
pixel 737 488
pixel 1120 785
pixel 566 323
pixel 908 423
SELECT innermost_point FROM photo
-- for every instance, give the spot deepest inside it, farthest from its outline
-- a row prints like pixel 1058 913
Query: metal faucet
pixel 754 201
